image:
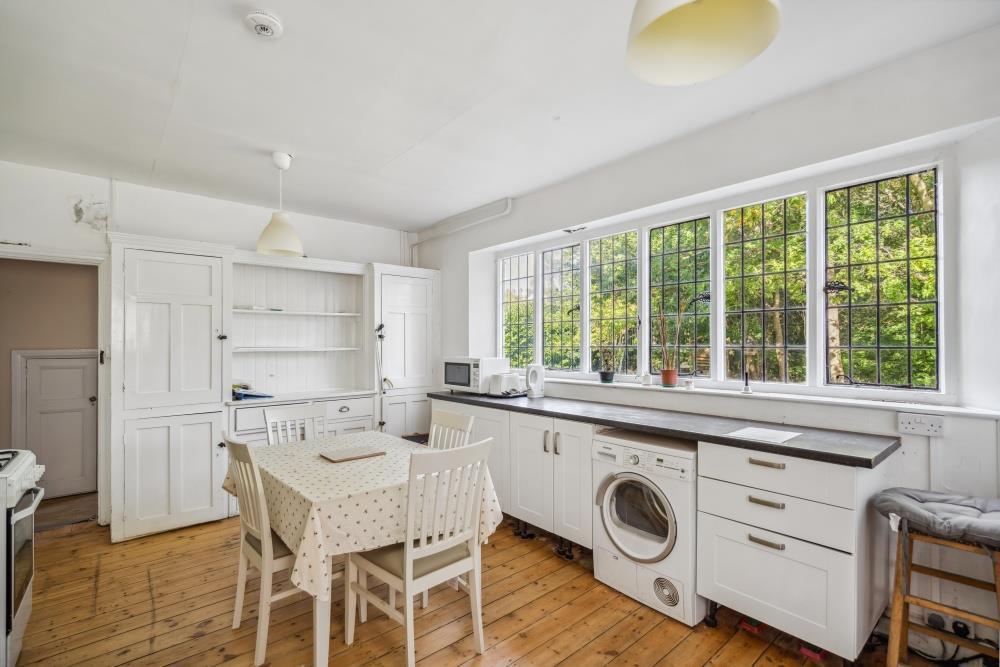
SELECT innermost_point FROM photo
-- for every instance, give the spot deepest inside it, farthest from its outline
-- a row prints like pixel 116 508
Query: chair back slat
pixel 295 423
pixel 449 430
pixel 250 491
pixel 444 499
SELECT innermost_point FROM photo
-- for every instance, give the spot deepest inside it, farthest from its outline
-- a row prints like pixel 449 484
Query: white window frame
pixel 814 187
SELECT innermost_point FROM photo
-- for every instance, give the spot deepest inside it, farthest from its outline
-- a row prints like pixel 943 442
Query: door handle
pixel 222 337
pixel 545 442
pixel 92 399
pixel 766 543
pixel 766 464
pixel 555 443
pixel 221 445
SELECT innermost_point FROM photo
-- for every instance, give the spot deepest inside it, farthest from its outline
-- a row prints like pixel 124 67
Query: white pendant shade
pixel 279 237
pixel 680 42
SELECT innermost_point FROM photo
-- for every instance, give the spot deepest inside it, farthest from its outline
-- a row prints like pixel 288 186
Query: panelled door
pixel 174 468
pixel 407 307
pixel 531 469
pixel 173 320
pixel 572 490
pixel 406 414
pixel 61 422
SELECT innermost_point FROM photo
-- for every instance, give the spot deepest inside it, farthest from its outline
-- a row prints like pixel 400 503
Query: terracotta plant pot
pixel 607 377
pixel 668 377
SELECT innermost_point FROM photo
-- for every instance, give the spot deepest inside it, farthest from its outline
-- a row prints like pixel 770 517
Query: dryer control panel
pixel 653 463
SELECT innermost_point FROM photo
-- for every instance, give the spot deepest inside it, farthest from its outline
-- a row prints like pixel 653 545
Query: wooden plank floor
pixel 168 599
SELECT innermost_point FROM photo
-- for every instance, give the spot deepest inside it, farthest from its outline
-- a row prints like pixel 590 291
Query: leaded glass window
pixel 517 291
pixel 561 308
pixel 614 303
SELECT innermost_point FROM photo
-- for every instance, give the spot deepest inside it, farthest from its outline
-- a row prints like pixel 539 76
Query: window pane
pixel 561 308
pixel 679 312
pixel 881 294
pixel 517 297
pixel 614 297
pixel 764 261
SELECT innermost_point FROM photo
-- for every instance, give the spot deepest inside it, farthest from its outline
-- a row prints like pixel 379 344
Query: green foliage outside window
pixel 517 293
pixel 561 308
pixel 614 303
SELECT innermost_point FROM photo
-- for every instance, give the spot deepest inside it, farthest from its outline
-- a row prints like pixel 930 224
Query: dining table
pixel 321 509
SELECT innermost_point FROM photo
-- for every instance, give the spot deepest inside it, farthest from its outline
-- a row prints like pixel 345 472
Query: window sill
pixel 882 404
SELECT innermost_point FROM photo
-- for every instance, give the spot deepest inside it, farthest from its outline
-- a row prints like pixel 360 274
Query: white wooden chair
pixel 443 508
pixel 295 423
pixel 259 545
pixel 449 430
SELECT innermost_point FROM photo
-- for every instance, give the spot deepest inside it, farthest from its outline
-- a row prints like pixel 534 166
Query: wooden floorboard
pixel 168 600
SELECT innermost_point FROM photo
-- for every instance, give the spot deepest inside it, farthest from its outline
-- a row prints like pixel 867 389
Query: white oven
pixel 472 374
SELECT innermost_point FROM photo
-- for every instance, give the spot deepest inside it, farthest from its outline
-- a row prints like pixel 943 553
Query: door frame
pixel 19 386
pixel 102 261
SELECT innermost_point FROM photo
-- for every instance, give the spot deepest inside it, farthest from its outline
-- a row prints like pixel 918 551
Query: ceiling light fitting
pixel 279 237
pixel 264 24
pixel 680 42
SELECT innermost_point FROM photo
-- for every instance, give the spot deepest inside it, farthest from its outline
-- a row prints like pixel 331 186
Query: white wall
pixel 933 91
pixel 37 207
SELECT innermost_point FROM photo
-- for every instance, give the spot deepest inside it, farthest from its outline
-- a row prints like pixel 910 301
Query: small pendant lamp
pixel 680 42
pixel 279 237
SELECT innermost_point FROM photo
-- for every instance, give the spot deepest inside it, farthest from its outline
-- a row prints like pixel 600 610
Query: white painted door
pixel 572 490
pixel 407 313
pixel 531 469
pixel 173 320
pixel 61 423
pixel 406 414
pixel 174 468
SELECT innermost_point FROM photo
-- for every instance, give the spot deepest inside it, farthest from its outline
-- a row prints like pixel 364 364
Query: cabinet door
pixel 173 317
pixel 407 313
pixel 572 490
pixel 494 424
pixel 406 414
pixel 174 469
pixel 531 469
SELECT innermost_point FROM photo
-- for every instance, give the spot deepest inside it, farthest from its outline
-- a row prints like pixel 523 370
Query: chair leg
pixel 899 622
pixel 476 603
pixel 241 587
pixel 263 613
pixel 350 600
pixel 408 622
pixel 996 575
pixel 362 602
pixel 392 597
pixel 423 603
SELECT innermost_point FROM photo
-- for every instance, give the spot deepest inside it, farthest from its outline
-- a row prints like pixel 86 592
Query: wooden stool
pixel 900 625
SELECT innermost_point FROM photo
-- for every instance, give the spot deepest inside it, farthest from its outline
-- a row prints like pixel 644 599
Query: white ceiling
pixel 399 113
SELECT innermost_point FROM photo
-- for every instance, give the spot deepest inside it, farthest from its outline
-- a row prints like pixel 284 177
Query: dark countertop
pixel 840 447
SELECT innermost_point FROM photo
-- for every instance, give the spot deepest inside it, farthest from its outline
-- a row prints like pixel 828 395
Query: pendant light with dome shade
pixel 681 42
pixel 279 237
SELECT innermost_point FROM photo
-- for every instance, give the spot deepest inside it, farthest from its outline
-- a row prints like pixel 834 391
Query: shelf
pixel 251 311
pixel 295 349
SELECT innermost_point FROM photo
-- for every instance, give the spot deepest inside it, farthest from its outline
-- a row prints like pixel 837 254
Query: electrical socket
pixel 918 424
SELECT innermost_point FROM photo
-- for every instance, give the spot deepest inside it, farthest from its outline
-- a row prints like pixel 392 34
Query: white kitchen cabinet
pixel 406 414
pixel 173 323
pixel 174 468
pixel 550 489
pixel 488 423
pixel 408 313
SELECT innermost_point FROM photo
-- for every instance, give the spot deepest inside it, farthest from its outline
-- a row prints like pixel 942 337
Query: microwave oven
pixel 472 374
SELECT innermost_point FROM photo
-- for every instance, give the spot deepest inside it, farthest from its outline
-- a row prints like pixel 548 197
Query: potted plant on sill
pixel 670 353
pixel 606 353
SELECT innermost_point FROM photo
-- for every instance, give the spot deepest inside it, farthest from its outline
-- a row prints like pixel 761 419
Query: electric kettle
pixel 535 380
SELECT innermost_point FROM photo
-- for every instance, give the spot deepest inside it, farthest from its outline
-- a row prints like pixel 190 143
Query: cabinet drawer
pixel 814 480
pixel 346 426
pixel 804 589
pixel 807 520
pixel 348 408
pixel 252 419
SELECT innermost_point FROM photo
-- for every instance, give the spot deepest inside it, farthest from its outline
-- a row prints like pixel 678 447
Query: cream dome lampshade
pixel 279 237
pixel 680 42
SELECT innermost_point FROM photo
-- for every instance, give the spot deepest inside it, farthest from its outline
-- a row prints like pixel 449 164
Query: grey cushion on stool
pixel 945 515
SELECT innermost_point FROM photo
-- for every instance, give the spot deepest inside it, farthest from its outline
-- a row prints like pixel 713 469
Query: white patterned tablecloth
pixel 321 509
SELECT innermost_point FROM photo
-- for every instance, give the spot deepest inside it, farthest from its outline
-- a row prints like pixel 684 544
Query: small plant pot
pixel 607 377
pixel 668 377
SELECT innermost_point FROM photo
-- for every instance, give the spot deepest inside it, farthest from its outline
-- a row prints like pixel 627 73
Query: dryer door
pixel 637 517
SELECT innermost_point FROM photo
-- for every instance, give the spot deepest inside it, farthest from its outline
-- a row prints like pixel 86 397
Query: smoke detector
pixel 264 24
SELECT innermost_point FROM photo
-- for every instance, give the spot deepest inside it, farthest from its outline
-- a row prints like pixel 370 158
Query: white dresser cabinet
pixel 550 475
pixel 406 414
pixel 174 468
pixel 173 323
pixel 793 543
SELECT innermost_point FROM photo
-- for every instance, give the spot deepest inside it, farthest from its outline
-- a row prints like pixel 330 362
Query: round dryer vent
pixel 666 592
pixel 264 24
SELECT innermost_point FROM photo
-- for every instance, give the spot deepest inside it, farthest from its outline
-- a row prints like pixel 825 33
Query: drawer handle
pixel 766 464
pixel 766 543
pixel 766 503
pixel 344 408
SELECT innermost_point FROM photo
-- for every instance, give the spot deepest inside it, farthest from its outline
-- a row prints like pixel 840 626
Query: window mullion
pixel 642 284
pixel 815 296
pixel 539 302
pixel 717 370
pixel 585 307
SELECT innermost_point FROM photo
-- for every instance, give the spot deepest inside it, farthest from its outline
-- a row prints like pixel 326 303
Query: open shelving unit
pixel 299 330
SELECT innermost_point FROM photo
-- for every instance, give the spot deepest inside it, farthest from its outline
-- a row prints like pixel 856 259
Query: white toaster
pixel 505 384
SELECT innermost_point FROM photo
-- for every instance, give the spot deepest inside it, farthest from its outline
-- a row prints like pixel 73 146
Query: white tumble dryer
pixel 645 514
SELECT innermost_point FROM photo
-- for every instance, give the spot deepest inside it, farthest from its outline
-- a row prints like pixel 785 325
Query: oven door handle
pixel 39 493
